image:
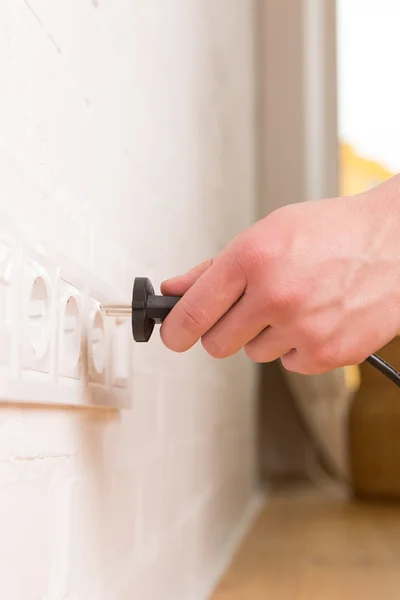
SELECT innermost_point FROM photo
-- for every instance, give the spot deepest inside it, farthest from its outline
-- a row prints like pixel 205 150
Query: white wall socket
pixel 56 347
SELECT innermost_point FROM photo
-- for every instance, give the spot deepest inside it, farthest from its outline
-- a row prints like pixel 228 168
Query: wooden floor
pixel 310 544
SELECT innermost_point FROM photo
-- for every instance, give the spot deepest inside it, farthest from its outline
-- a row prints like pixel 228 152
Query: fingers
pixel 300 362
pixel 177 286
pixel 237 327
pixel 269 345
pixel 205 302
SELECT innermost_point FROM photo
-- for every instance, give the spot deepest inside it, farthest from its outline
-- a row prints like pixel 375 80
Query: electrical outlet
pixel 70 331
pixel 98 345
pixel 38 306
pixel 56 347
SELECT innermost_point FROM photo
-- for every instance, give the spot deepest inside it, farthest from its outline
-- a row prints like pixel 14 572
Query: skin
pixel 315 284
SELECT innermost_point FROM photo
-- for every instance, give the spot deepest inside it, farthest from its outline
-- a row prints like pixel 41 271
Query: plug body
pixel 146 309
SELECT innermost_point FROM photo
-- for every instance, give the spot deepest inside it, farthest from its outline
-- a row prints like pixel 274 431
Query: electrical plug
pixel 146 309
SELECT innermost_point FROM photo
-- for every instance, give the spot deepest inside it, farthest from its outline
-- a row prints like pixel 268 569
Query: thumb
pixel 179 285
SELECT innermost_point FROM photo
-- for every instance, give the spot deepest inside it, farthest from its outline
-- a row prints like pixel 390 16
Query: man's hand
pixel 317 284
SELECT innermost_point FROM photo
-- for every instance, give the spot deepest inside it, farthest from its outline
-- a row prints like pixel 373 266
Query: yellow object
pixel 352 378
pixel 358 174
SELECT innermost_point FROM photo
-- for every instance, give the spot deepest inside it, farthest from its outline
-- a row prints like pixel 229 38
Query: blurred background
pixel 137 138
pixel 329 445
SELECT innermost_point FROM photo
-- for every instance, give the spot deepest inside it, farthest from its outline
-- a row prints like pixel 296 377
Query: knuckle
pixel 295 362
pixel 192 318
pixel 309 331
pixel 250 258
pixel 325 358
pixel 284 298
pixel 288 361
pixel 254 353
pixel 287 364
pixel 213 348
pixel 315 331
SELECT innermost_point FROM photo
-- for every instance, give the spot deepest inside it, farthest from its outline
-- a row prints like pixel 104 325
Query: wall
pixel 127 140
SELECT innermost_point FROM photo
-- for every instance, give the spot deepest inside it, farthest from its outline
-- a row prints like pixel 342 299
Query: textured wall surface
pixel 127 141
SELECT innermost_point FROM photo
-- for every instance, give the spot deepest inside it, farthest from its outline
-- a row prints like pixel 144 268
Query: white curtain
pixel 324 401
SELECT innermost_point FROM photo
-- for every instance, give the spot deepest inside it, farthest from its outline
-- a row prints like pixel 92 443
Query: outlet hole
pixel 38 318
pixel 98 343
pixel 121 355
pixel 72 332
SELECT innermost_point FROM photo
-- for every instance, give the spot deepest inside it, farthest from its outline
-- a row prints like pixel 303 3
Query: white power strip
pixel 56 347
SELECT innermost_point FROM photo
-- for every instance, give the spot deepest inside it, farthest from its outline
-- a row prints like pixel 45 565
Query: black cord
pixel 384 367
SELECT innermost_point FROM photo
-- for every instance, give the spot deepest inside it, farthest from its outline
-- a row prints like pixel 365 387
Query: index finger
pixel 177 286
pixel 209 298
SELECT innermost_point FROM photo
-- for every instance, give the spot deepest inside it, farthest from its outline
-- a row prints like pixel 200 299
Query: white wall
pixel 127 139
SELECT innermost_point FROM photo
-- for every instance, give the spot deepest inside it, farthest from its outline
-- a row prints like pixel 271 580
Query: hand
pixel 316 284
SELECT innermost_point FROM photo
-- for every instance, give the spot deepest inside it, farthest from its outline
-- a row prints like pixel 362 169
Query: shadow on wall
pixel 284 447
pixel 101 495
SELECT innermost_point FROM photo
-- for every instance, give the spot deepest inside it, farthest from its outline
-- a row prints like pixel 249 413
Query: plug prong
pixel 116 310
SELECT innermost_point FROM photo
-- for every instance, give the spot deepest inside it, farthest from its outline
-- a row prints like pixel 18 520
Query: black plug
pixel 146 310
